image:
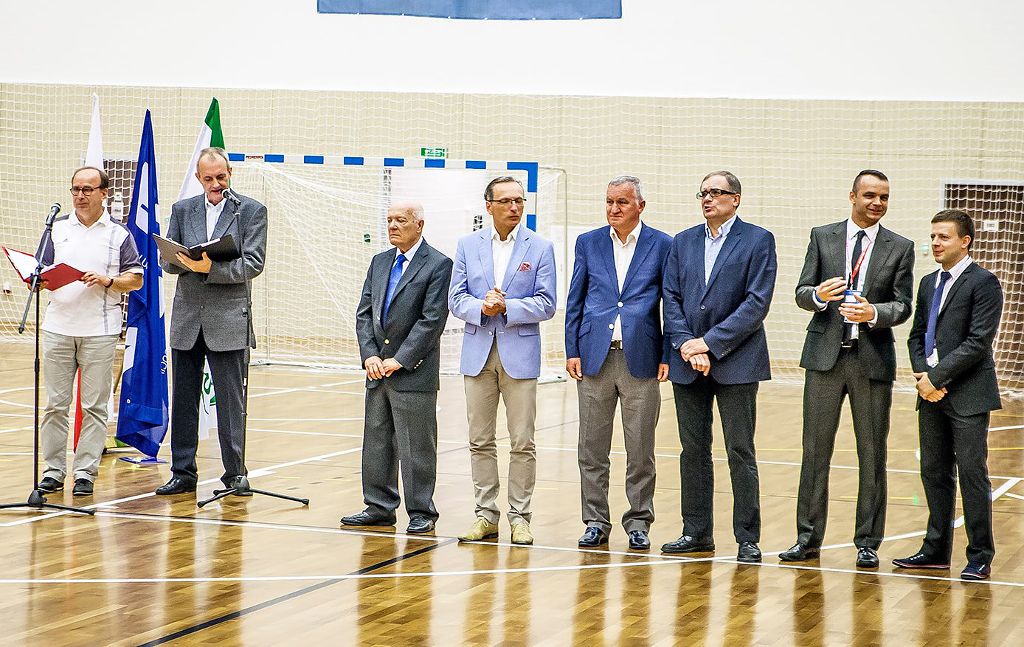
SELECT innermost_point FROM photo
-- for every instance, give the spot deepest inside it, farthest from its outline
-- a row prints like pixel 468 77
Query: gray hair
pixel 489 191
pixel 214 152
pixel 730 179
pixel 630 179
pixel 415 209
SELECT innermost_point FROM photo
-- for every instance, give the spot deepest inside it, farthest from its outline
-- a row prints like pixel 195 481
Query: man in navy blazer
pixel 614 349
pixel 503 286
pixel 719 280
pixel 958 313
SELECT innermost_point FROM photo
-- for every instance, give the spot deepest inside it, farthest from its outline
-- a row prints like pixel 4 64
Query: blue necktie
pixel 933 315
pixel 396 276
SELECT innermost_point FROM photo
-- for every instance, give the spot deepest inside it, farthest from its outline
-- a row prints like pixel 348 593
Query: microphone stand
pixel 36 498
pixel 240 484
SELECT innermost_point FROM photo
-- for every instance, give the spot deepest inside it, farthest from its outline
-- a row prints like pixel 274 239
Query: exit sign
pixel 434 152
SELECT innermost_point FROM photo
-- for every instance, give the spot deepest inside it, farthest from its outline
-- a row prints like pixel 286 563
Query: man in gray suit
pixel 857 280
pixel 401 315
pixel 209 319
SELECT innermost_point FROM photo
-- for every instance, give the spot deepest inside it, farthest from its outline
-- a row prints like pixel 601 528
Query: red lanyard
pixel 856 268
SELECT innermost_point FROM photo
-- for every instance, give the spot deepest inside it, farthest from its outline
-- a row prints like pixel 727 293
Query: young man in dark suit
pixel 958 312
pixel 399 322
pixel 719 281
pixel 850 350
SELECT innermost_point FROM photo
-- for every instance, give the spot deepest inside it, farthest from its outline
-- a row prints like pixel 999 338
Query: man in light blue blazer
pixel 719 281
pixel 503 286
pixel 614 349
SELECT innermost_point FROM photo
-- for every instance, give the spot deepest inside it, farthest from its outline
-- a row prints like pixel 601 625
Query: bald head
pixel 405 224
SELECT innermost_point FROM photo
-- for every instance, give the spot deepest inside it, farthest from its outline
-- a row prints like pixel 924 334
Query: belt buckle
pixel 616 344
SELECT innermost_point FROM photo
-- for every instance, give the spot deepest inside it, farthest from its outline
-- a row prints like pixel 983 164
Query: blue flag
pixel 142 420
pixel 480 9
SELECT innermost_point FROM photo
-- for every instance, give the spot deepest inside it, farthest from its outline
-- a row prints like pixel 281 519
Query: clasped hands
pixel 832 290
pixel 695 351
pixel 494 302
pixel 377 368
pixel 927 390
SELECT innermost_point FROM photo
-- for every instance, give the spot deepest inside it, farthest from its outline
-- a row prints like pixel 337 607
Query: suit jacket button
pixel 619 304
pixel 387 341
pixel 702 307
pixel 611 326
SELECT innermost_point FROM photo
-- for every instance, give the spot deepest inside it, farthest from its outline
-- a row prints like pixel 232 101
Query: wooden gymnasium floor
pixel 154 570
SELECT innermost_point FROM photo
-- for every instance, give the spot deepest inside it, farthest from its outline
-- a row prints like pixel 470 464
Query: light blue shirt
pixel 713 245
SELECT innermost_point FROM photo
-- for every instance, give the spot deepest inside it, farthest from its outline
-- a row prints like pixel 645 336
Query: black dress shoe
pixel 748 553
pixel 638 540
pixel 687 544
pixel 176 485
pixel 367 518
pixel 867 558
pixel 592 538
pixel 920 560
pixel 976 571
pixel 82 487
pixel 50 484
pixel 419 524
pixel 799 553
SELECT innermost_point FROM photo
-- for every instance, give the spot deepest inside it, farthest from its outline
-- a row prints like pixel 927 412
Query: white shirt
pixel 408 255
pixel 713 245
pixel 866 247
pixel 212 215
pixel 954 274
pixel 501 252
pixel 105 248
pixel 623 252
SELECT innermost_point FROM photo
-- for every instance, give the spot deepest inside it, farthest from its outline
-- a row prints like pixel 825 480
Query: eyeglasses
pixel 714 193
pixel 507 201
pixel 84 190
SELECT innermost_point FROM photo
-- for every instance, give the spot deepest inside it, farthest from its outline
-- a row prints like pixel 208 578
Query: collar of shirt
pixel 958 269
pixel 723 231
pixel 215 208
pixel 408 255
pixel 512 235
pixel 104 220
pixel 852 229
pixel 632 236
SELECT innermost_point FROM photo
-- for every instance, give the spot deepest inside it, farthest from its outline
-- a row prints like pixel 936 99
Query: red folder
pixel 56 276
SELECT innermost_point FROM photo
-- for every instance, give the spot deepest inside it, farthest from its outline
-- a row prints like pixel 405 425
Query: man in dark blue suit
pixel 958 313
pixel 615 351
pixel 719 280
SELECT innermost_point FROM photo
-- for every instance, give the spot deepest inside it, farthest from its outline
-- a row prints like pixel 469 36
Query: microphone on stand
pixel 54 210
pixel 233 197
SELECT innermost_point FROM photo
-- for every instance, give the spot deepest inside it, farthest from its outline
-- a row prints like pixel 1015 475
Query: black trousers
pixel 952 444
pixel 870 404
pixel 228 371
pixel 400 435
pixel 737 405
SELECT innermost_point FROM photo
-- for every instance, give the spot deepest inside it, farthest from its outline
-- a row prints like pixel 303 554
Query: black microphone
pixel 230 195
pixel 54 210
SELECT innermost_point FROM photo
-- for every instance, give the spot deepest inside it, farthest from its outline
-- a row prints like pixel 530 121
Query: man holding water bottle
pixel 857 280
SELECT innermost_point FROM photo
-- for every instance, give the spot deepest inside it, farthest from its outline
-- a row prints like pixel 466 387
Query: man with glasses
pixel 857 280
pixel 209 321
pixel 719 281
pixel 614 350
pixel 82 324
pixel 503 286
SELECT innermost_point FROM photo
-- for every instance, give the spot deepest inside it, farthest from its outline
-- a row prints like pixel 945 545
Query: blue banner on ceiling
pixel 480 9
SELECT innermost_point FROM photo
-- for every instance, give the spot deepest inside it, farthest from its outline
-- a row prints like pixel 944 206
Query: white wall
pixel 914 49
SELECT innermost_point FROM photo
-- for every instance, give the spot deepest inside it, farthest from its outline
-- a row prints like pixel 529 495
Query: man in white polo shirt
pixel 83 321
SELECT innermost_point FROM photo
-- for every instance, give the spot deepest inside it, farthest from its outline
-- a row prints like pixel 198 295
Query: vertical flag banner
pixel 142 421
pixel 480 9
pixel 210 134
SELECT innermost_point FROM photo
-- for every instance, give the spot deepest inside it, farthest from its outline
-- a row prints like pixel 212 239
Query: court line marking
pixel 254 473
pixel 1006 428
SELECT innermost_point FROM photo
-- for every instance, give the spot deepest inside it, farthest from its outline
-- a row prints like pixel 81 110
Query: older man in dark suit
pixel 719 281
pixel 401 315
pixel 209 321
pixel 849 349
pixel 958 312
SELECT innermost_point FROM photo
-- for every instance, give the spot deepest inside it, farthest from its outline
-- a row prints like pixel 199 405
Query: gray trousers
pixel 400 434
pixel 62 357
pixel 870 401
pixel 520 396
pixel 640 402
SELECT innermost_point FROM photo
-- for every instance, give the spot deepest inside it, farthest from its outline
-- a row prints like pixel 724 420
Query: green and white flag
pixel 210 134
